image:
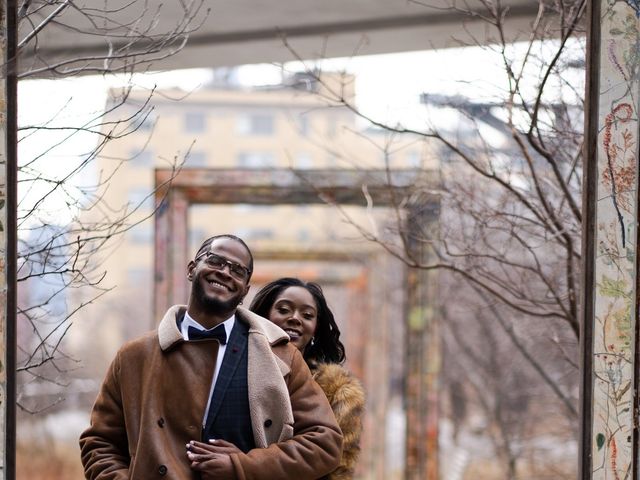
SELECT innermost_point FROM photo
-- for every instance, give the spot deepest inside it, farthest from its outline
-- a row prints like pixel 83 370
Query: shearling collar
pixel 258 324
pixel 169 334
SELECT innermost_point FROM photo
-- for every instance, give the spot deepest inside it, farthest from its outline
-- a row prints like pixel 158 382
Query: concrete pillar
pixel 609 438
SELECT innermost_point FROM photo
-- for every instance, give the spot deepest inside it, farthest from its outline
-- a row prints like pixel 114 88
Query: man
pixel 216 393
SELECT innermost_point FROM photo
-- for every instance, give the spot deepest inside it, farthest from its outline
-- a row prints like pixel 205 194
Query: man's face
pixel 219 282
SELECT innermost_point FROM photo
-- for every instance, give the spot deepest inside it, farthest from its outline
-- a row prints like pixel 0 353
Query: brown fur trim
pixel 347 399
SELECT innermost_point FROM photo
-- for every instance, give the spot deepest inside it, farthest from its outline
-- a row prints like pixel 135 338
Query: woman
pixel 301 310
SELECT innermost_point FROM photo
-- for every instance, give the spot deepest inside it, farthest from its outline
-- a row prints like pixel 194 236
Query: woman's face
pixel 296 312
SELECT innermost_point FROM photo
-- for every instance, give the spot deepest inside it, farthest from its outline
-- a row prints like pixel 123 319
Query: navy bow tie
pixel 219 333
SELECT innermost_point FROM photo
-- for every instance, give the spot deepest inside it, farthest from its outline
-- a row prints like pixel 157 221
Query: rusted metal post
pixel 162 244
pixel 179 211
pixel 423 352
pixel 171 245
pixel 8 235
pixel 609 403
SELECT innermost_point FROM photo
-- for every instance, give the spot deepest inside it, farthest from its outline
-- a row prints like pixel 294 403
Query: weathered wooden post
pixel 423 355
pixel 609 400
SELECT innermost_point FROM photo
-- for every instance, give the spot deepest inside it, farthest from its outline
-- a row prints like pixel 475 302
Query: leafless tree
pixel 102 37
pixel 65 226
pixel 510 221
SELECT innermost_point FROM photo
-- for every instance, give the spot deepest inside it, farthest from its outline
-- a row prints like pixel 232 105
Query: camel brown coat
pixel 154 396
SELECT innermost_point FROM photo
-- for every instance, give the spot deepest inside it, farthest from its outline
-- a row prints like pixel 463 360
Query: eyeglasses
pixel 218 263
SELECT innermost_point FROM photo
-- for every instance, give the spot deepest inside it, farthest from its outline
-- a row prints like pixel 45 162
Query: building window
pixel 303 235
pixel 332 126
pixel 142 158
pixel 255 233
pixel 255 160
pixel 196 159
pixel 141 234
pixel 304 160
pixel 256 124
pixel 251 208
pixel 140 198
pixel 147 123
pixel 303 125
pixel 414 159
pixel 139 276
pixel 195 122
pixel 196 237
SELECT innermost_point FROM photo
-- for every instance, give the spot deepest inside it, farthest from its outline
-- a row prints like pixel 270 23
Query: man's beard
pixel 213 305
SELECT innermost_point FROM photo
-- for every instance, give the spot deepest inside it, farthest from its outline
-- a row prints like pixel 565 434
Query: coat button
pixel 267 423
pixel 161 422
pixel 162 470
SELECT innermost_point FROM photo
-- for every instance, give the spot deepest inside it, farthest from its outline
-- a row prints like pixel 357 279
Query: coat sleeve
pixel 316 446
pixel 103 446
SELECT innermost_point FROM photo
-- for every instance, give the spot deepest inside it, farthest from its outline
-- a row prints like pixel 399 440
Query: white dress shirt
pixel 228 326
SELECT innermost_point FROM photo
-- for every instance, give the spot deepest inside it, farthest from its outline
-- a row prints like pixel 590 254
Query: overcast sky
pixel 388 89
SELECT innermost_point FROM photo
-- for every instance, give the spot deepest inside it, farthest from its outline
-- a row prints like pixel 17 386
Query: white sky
pixel 388 89
pixel 77 101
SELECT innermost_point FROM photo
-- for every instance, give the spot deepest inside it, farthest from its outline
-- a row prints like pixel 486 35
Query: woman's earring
pixel 313 341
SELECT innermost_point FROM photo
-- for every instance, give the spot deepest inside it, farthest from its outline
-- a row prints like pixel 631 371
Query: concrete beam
pixel 284 186
pixel 233 35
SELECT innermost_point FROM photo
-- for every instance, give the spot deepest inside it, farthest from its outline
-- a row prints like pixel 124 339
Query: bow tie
pixel 219 333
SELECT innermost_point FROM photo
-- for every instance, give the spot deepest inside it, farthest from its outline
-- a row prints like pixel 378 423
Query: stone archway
pixel 174 196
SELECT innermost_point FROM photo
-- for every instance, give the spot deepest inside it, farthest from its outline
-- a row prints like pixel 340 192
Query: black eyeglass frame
pixel 237 270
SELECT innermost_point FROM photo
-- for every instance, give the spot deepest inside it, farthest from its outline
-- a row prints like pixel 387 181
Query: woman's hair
pixel 326 346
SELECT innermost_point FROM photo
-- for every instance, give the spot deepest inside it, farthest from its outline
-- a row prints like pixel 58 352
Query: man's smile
pixel 215 283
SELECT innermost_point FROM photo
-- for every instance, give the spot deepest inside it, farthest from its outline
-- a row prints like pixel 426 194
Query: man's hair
pixel 207 244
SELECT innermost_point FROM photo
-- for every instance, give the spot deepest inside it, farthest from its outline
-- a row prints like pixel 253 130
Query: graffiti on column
pixel 615 261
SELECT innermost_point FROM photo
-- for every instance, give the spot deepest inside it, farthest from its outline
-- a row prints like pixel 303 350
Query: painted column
pixel 423 352
pixel 609 405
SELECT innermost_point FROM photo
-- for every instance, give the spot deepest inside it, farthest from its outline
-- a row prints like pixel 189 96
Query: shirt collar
pixel 187 321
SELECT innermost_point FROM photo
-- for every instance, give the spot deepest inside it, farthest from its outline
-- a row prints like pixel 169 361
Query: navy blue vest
pixel 228 417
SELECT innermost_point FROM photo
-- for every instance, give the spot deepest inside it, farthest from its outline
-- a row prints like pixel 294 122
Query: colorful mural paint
pixel 616 249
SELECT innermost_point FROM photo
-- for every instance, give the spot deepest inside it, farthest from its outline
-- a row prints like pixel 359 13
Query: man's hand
pixel 212 459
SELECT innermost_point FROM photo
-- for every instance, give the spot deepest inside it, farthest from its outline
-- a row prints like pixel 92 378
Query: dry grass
pixel 48 461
